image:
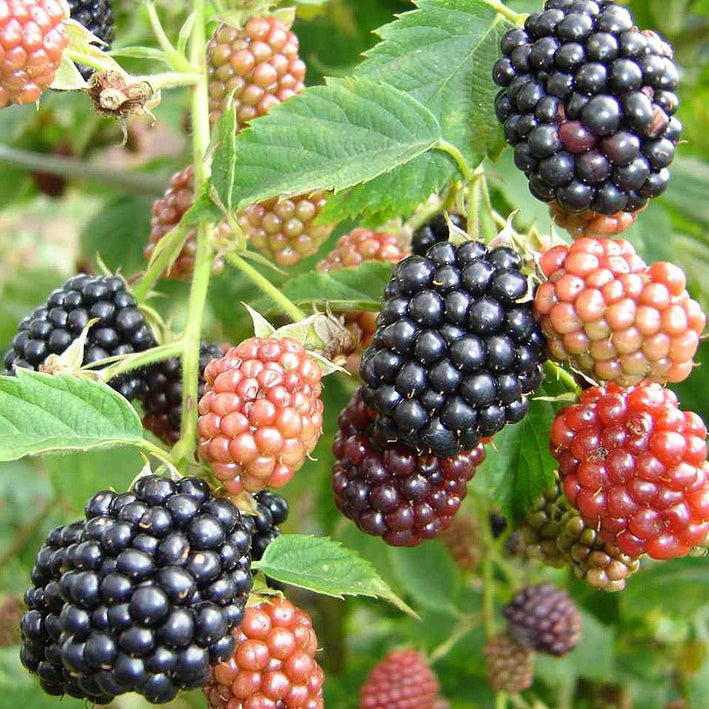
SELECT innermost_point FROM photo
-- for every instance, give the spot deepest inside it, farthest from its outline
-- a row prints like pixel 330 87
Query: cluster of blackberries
pixel 588 103
pixel 140 596
pixel 120 328
pixel 434 231
pixel 456 349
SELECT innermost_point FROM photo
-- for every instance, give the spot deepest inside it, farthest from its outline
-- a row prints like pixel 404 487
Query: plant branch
pixel 132 182
pixel 465 169
pixel 516 17
pixel 286 306
pixel 169 80
pixel 175 59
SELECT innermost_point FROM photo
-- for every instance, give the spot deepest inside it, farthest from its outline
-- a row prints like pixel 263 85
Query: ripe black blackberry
pixel 162 398
pixel 388 489
pixel 272 510
pixel 97 17
pixel 544 618
pixel 456 349
pixel 434 231
pixel 588 104
pixel 121 328
pixel 140 596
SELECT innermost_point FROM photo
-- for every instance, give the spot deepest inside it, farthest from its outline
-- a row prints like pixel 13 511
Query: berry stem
pixel 500 700
pixel 185 447
pixel 169 80
pixel 177 60
pixel 114 366
pixel 473 207
pixel 286 306
pixel 515 17
pixel 560 374
pixel 457 155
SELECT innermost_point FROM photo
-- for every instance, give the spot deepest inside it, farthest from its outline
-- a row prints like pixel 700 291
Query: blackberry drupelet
pixel 540 529
pixel 544 618
pixel 121 328
pixel 97 17
pixel 263 527
pixel 436 230
pixel 588 102
pixel 162 400
pixel 388 489
pixel 140 596
pixel 456 349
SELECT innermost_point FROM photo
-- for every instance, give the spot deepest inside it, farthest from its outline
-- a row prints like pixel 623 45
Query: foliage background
pixel 652 639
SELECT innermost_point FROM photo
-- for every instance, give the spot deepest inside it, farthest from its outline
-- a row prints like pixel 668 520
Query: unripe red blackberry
pixel 456 350
pixel 257 66
pixel 97 17
pixel 510 666
pixel 121 328
pixel 541 528
pixel 33 38
pixel 273 665
pixel 167 212
pixel 140 596
pixel 591 224
pixel 388 489
pixel 162 399
pixel 608 314
pixel 261 413
pixel 635 466
pixel 402 680
pixel 284 229
pixel 434 231
pixel 588 103
pixel 602 565
pixel 543 618
pixel 352 249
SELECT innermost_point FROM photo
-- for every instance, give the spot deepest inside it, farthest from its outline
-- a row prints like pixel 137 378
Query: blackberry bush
pixel 120 328
pixel 140 596
pixel 456 350
pixel 588 102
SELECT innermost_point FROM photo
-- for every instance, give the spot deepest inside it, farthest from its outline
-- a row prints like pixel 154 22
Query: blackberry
pixel 541 528
pixel 509 665
pixel 162 400
pixel 121 328
pixel 97 17
pixel 434 231
pixel 544 618
pixel 464 542
pixel 141 595
pixel 456 349
pixel 588 104
pixel 272 510
pixel 388 489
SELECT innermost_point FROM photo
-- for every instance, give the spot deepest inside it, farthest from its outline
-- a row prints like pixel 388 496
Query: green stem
pixel 426 213
pixel 500 700
pixel 131 182
pixel 127 363
pixel 559 373
pixel 169 80
pixel 465 169
pixel 175 59
pixel 157 452
pixel 185 447
pixel 288 308
pixel 516 17
pixel 474 201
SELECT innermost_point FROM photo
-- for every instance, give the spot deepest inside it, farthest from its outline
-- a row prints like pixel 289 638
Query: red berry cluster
pixel 258 67
pixel 261 413
pixel 402 680
pixel 33 38
pixel 274 662
pixel 636 468
pixel 607 313
pixel 351 250
pixel 591 224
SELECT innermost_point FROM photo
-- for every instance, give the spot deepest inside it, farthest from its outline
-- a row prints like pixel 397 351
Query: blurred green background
pixel 642 648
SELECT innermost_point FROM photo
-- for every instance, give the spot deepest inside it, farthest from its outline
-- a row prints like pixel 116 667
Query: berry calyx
pixel 359 246
pixel 456 350
pixel 261 413
pixel 588 103
pixel 121 328
pixel 608 314
pixel 139 596
pixel 33 38
pixel 258 67
pixel 434 231
pixel 544 618
pixel 388 489
pixel 284 229
pixel 635 466
pixel 162 398
pixel 402 680
pixel 273 664
pixel 509 665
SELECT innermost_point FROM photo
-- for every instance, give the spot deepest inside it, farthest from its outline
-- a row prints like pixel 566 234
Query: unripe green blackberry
pixel 541 528
pixel 258 66
pixel 510 665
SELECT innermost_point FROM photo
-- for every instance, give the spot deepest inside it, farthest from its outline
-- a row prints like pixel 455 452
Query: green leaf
pixel 518 466
pixel 224 164
pixel 329 137
pixel 349 289
pixel 41 413
pixel 429 576
pixel 324 566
